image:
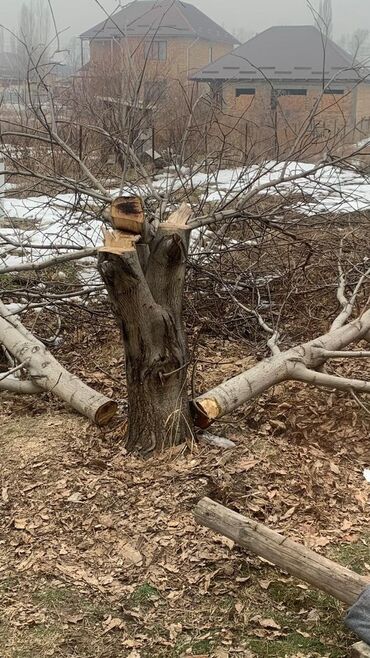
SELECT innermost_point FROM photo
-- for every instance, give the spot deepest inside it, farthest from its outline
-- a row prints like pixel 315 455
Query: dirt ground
pixel 99 553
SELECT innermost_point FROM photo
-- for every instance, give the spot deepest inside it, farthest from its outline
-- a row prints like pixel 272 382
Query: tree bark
pixel 299 561
pixel 145 286
pixel 46 374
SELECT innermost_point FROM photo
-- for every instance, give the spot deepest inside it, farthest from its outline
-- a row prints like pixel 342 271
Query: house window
pixel 210 55
pixel 156 50
pixel 245 92
pixel 334 92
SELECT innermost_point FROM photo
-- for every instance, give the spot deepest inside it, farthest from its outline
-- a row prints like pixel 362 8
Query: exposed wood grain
pixel 117 242
pixel 127 214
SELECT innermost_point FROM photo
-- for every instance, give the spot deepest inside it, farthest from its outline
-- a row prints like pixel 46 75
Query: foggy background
pixel 243 17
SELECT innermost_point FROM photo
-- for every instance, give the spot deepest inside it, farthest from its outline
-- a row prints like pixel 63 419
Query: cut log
pixel 299 561
pixel 360 650
pixel 47 374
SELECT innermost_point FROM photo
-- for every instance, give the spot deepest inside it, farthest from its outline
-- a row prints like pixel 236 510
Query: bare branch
pixel 50 262
pixel 13 370
pixel 303 374
pixel 13 385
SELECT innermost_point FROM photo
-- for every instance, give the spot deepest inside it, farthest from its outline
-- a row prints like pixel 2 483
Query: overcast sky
pixel 251 15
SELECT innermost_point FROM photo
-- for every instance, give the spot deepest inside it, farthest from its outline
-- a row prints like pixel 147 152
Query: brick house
pixel 169 39
pixel 278 76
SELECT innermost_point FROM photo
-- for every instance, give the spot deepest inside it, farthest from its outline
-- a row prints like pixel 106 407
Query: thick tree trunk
pixel 145 287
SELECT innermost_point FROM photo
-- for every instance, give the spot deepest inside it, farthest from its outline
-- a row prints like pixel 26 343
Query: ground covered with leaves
pixel 99 552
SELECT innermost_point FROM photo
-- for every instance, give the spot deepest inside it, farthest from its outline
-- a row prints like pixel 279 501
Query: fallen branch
pixel 49 262
pixel 19 386
pixel 299 363
pixel 46 374
pixel 299 561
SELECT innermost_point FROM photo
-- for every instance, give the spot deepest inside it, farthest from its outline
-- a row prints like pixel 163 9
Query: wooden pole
pixel 297 560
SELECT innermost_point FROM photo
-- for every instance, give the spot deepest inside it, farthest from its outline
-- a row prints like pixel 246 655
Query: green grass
pixel 353 556
pixel 292 645
pixel 143 595
pixel 54 596
pixel 201 647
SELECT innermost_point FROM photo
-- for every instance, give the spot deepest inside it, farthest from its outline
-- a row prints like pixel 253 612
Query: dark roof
pixel 295 52
pixel 160 18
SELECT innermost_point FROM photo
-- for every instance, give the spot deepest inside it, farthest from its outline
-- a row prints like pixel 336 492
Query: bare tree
pixel 251 240
pixel 2 40
pixel 326 16
pixel 33 38
pixel 358 44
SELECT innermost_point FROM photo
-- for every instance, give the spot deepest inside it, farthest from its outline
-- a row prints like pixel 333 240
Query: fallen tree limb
pixel 19 386
pixel 46 374
pixel 297 560
pixel 296 364
pixel 37 266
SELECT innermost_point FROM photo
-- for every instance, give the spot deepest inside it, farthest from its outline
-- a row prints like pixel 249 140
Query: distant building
pixel 283 72
pixel 17 76
pixel 169 39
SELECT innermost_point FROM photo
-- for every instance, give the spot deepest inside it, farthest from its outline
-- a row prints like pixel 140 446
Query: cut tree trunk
pixel 46 374
pixel 294 558
pixel 145 286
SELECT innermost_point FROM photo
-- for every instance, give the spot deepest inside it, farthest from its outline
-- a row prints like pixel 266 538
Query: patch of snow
pixel 44 222
pixel 367 474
